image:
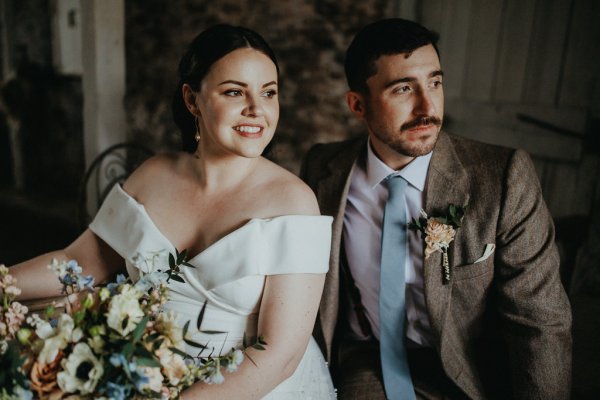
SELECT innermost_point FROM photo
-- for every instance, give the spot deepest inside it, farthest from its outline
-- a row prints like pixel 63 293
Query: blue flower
pixel 86 282
pixel 113 286
pixel 117 359
pixel 73 267
pixel 151 280
pixel 115 391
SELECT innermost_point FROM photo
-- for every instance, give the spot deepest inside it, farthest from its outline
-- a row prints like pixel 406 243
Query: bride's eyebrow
pixel 242 84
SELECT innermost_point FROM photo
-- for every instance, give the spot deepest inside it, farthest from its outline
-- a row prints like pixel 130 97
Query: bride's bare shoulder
pixel 286 193
pixel 157 171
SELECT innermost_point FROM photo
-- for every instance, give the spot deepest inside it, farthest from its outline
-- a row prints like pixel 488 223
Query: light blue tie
pixel 392 327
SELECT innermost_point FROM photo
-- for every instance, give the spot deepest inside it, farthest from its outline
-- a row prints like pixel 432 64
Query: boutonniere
pixel 438 232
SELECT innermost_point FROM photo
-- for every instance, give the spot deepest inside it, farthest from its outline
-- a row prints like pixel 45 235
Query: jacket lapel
pixel 447 183
pixel 332 192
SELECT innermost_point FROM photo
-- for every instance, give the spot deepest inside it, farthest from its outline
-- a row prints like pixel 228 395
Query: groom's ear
pixel 356 103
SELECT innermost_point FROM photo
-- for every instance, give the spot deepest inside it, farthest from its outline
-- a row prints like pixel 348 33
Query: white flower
pixel 215 377
pixel 55 339
pixel 12 290
pixel 154 376
pixel 236 359
pixel 124 306
pixel 59 267
pixel 167 324
pixel 173 365
pixel 82 371
pixel 96 343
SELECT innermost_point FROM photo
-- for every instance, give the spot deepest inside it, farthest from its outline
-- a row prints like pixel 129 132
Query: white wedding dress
pixel 229 276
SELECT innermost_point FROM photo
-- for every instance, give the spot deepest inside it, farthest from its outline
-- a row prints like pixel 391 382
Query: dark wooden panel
pixel 546 51
pixel 484 33
pixel 453 45
pixel 515 41
pixel 582 59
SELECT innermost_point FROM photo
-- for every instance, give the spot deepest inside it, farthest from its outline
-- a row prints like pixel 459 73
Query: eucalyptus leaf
pixel 194 344
pixel 147 362
pixel 181 353
pixel 185 328
pixel 201 315
pixel 139 329
pixel 213 332
pixel 127 350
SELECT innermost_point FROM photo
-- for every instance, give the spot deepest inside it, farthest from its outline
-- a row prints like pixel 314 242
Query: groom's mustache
pixel 421 121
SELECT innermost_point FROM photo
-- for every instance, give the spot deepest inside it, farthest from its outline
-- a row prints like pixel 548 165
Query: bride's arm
pixel 97 259
pixel 286 318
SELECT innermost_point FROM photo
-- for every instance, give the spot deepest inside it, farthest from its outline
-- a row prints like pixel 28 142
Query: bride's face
pixel 238 104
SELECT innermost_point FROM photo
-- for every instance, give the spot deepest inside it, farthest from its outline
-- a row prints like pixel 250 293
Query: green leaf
pixel 143 352
pixel 201 315
pixel 172 264
pixel 194 344
pixel 181 353
pixel 177 278
pixel 185 328
pixel 127 350
pixel 258 346
pixel 139 329
pixel 187 264
pixel 156 345
pixel 147 362
pixel 181 257
pixel 213 332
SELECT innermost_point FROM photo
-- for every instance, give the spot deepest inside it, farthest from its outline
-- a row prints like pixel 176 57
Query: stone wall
pixel 309 38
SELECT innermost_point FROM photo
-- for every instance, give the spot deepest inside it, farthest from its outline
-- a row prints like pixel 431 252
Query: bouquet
pixel 113 343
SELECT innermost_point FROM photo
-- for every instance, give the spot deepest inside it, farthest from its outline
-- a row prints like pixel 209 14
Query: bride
pixel 259 246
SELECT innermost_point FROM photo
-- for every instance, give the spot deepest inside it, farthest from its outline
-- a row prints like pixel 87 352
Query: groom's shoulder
pixel 326 151
pixel 471 151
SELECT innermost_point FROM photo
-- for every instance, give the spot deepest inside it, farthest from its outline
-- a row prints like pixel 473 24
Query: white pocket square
pixel 489 250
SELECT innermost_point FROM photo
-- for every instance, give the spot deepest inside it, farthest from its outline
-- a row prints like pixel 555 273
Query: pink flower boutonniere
pixel 438 232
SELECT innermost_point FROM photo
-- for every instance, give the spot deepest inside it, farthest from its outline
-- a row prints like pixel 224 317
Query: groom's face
pixel 404 106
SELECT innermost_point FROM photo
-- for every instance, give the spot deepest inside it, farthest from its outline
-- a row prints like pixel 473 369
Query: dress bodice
pixel 229 275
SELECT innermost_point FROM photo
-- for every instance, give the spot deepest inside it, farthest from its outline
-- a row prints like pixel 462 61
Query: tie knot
pixel 396 186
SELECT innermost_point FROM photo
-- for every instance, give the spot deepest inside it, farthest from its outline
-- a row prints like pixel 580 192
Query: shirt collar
pixel 415 173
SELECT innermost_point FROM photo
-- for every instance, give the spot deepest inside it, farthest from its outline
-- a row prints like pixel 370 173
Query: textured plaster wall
pixel 309 38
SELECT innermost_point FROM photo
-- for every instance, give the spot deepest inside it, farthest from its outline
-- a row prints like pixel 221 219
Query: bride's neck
pixel 221 172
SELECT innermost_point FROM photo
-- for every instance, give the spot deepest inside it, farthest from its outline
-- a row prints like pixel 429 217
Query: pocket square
pixel 489 250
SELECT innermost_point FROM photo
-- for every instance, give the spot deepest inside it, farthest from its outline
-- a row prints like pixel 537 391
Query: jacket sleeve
pixel 535 313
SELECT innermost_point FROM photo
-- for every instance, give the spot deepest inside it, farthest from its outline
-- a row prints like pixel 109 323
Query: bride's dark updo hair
pixel 207 48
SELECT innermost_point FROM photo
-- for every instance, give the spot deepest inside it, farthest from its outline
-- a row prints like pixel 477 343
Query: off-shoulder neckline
pixel 250 222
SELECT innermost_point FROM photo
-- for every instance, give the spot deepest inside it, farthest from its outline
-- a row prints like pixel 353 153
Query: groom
pixel 492 323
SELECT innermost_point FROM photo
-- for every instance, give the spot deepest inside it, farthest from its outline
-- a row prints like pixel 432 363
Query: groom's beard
pixel 403 143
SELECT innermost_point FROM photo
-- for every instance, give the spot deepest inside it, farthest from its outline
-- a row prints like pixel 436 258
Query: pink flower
pixel 14 317
pixel 438 236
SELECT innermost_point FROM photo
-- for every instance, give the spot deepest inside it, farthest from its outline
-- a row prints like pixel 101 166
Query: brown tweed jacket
pixel 501 326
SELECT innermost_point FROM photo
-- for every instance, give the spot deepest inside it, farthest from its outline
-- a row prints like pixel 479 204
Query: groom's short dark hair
pixel 384 37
